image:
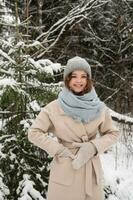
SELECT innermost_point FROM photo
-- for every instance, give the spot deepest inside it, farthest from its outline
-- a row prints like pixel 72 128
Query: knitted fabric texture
pixel 83 108
pixel 77 63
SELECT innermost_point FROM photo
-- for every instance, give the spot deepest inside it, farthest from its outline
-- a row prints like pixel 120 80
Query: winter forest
pixel 37 37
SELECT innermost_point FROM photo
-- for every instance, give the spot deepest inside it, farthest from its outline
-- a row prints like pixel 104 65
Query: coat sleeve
pixel 109 134
pixel 38 134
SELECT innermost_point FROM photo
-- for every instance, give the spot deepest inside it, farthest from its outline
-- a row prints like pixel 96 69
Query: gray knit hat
pixel 77 63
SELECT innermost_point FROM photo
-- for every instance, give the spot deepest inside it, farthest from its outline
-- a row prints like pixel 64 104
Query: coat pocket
pixel 61 171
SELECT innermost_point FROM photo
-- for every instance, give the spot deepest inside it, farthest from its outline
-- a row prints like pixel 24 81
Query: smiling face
pixel 78 81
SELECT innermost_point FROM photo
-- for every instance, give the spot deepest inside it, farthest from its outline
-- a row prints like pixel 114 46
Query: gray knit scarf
pixel 83 108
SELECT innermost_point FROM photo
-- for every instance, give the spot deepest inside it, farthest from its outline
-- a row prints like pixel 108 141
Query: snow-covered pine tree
pixel 25 86
pixel 4 191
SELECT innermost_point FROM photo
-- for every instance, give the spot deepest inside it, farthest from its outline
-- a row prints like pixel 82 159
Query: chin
pixel 78 92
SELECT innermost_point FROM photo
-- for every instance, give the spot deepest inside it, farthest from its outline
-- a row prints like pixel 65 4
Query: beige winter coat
pixel 65 183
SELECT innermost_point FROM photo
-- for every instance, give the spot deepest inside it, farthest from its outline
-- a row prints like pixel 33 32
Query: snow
pixel 36 83
pixel 1 124
pixel 5 55
pixel 121 117
pixel 2 155
pixel 44 62
pixel 13 84
pixel 34 44
pixel 35 106
pixel 38 176
pixel 118 176
pixel 25 124
pixel 53 67
pixel 8 82
pixel 27 190
pixel 7 17
pixel 34 63
pixel 12 156
pixel 3 188
pixel 20 44
pixel 8 139
pixel 45 65
pixel 6 43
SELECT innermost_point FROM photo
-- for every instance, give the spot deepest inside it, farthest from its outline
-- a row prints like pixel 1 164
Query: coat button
pixel 85 138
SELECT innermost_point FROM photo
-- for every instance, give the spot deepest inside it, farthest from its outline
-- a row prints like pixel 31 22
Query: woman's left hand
pixel 86 151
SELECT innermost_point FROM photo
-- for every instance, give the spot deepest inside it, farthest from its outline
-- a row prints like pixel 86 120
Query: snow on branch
pixel 45 65
pixel 78 13
pixel 121 118
pixel 26 189
pixel 4 191
pixel 10 82
pixel 5 55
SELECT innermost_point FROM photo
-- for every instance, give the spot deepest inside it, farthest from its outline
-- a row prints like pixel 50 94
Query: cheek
pixel 85 82
pixel 70 83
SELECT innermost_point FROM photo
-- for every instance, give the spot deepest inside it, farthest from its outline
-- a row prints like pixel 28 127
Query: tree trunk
pixel 40 5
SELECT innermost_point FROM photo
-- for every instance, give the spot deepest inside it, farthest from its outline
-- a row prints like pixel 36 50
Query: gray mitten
pixel 86 151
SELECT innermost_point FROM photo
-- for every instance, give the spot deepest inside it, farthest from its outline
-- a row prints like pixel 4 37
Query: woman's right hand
pixel 65 153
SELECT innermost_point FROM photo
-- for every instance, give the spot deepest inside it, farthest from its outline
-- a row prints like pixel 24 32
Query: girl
pixel 75 118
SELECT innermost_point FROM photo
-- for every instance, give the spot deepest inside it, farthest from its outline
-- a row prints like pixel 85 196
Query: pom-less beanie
pixel 77 63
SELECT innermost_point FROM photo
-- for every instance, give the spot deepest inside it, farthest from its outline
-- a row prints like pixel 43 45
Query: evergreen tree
pixel 25 86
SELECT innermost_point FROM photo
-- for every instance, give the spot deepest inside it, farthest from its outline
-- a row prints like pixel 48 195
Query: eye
pixel 73 76
pixel 84 76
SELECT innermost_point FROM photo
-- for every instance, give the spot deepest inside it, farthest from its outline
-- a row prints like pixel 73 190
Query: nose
pixel 78 80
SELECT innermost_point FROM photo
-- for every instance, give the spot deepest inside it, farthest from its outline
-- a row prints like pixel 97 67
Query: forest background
pixel 37 38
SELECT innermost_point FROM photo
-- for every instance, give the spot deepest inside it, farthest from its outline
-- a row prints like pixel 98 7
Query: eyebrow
pixel 74 73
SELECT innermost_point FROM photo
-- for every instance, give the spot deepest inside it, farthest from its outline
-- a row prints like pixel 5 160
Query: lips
pixel 77 85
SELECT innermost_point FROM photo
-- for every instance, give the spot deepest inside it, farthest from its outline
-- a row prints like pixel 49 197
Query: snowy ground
pixel 118 173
